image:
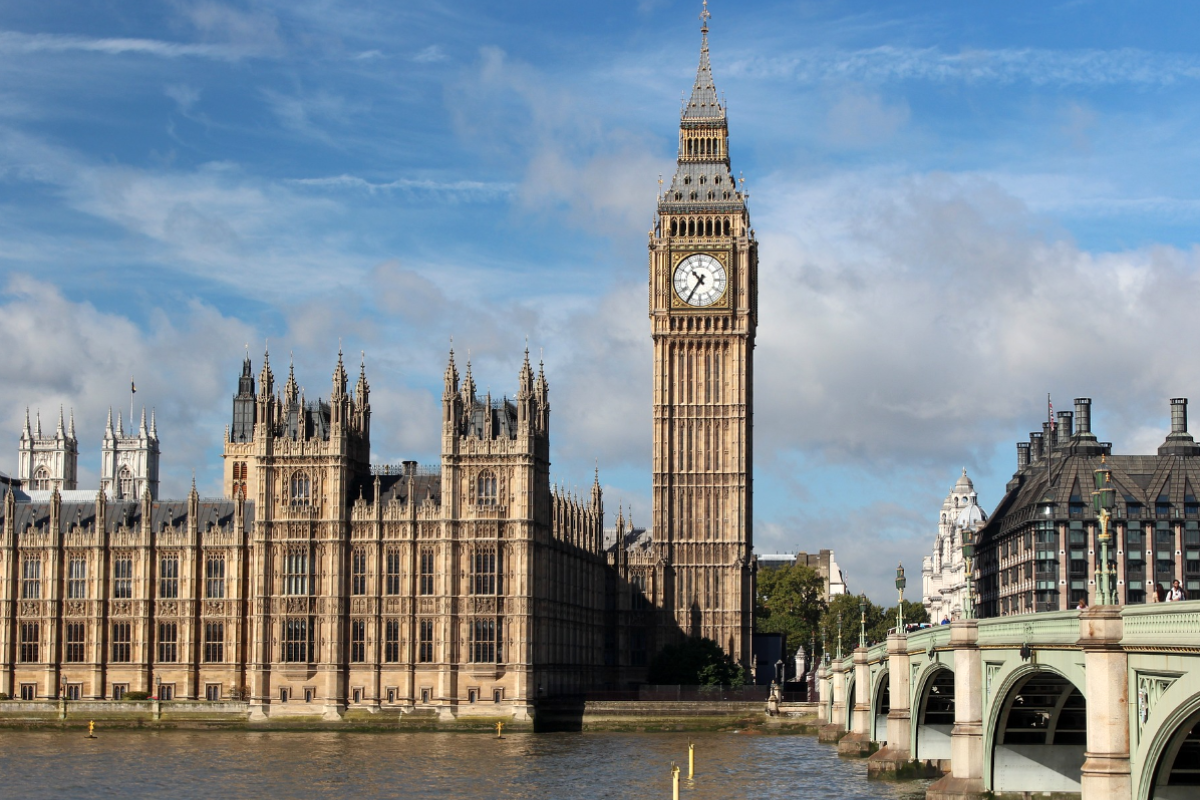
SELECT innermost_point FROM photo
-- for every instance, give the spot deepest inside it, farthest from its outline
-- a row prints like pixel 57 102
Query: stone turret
pixel 48 462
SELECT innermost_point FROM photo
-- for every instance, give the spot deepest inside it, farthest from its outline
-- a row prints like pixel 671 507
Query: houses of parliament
pixel 321 582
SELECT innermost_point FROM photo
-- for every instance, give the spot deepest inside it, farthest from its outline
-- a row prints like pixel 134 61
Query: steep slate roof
pixel 163 513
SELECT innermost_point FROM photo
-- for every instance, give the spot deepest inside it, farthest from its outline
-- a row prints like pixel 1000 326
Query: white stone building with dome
pixel 943 574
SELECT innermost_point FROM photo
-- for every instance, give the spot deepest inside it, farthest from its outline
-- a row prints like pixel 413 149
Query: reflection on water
pixel 282 766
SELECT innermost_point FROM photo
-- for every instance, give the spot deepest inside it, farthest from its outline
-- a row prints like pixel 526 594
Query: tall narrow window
pixel 122 648
pixel 125 483
pixel 214 642
pixel 391 641
pixel 296 645
pixel 77 578
pixel 168 577
pixel 295 571
pixel 31 578
pixel 73 650
pixel 426 570
pixel 358 641
pixel 31 637
pixel 301 489
pixel 483 570
pixel 487 488
pixel 168 647
pixel 392 570
pixel 483 641
pixel 214 576
pixel 425 641
pixel 122 578
pixel 41 480
pixel 358 571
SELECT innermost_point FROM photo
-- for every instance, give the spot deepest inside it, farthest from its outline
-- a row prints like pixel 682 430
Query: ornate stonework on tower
pixel 129 463
pixel 46 463
pixel 703 315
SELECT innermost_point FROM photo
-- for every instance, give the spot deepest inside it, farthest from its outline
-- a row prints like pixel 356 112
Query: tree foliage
pixel 695 662
pixel 880 621
pixel 789 600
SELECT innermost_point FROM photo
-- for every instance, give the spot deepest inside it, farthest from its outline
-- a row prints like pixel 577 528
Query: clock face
pixel 699 280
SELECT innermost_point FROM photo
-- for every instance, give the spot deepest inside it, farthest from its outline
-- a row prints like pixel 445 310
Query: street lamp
pixel 839 652
pixel 968 552
pixel 1103 500
pixel 900 584
pixel 862 625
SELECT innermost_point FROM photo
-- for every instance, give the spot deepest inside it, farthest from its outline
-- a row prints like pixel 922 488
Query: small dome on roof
pixel 964 483
pixel 971 514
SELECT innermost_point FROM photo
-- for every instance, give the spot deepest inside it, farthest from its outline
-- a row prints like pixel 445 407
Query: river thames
pixel 287 765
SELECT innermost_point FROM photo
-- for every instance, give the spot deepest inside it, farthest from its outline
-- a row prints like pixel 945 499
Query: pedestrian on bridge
pixel 1176 593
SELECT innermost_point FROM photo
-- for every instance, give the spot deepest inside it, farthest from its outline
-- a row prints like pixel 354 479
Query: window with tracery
pixel 295 572
pixel 483 570
pixel 41 479
pixel 125 483
pixel 301 493
pixel 486 488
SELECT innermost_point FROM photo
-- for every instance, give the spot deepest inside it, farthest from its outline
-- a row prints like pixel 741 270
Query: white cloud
pixel 16 43
pixel 864 119
pixel 430 55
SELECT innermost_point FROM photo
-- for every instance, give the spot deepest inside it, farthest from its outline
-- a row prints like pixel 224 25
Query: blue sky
pixel 960 207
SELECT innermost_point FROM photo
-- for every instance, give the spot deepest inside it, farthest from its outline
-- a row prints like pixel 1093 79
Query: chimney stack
pixel 1179 442
pixel 1065 426
pixel 1036 447
pixel 1083 415
pixel 1179 415
pixel 1022 455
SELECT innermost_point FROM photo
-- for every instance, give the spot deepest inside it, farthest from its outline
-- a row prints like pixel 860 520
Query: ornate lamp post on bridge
pixel 839 650
pixel 1103 501
pixel 900 584
pixel 968 551
pixel 862 625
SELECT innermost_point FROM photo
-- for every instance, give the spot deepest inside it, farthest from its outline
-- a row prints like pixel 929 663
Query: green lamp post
pixel 862 625
pixel 900 584
pixel 968 551
pixel 1103 501
pixel 839 650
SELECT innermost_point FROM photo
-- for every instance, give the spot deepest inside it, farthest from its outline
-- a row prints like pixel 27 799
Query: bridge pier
pixel 965 781
pixel 895 760
pixel 1106 769
pixel 823 689
pixel 858 741
pixel 835 729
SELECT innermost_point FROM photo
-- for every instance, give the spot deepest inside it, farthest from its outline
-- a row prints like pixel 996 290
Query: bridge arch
pixel 934 714
pixel 1171 766
pixel 1036 733
pixel 848 723
pixel 881 704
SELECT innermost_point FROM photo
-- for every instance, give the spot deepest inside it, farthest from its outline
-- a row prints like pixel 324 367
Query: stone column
pixel 858 742
pixel 1106 771
pixel 835 729
pixel 897 755
pixel 966 737
pixel 823 689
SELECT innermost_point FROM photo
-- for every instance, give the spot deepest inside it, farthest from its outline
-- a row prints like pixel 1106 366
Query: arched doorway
pixel 1041 735
pixel 935 717
pixel 1177 774
pixel 882 704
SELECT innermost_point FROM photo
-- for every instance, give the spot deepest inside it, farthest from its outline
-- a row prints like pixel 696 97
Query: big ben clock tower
pixel 703 314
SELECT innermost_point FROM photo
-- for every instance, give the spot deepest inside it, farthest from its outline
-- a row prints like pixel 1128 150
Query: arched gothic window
pixel 41 479
pixel 486 488
pixel 301 489
pixel 125 483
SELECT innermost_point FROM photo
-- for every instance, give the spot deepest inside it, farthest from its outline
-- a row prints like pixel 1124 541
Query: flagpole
pixel 132 389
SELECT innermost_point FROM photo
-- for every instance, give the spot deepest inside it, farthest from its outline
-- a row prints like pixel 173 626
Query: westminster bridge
pixel 1102 704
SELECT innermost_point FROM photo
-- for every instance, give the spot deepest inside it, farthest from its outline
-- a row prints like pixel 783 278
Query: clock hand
pixel 699 283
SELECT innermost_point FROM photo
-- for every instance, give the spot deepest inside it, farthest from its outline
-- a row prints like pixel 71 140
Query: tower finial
pixel 704 18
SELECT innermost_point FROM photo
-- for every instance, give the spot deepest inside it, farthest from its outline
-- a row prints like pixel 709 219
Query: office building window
pixel 426 587
pixel 122 643
pixel 358 641
pixel 391 641
pixel 358 571
pixel 31 578
pixel 295 571
pixel 214 576
pixel 122 578
pixel 168 648
pixel 425 641
pixel 297 646
pixel 214 642
pixel 168 577
pixel 392 571
pixel 77 578
pixel 73 649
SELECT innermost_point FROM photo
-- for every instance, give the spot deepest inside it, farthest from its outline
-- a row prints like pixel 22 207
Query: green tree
pixel 695 662
pixel 848 606
pixel 789 600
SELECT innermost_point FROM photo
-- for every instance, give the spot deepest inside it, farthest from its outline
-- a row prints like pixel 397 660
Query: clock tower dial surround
pixel 703 380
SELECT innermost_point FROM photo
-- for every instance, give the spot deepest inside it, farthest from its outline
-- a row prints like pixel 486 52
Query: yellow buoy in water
pixel 91 729
pixel 674 782
pixel 691 760
pixel 499 730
